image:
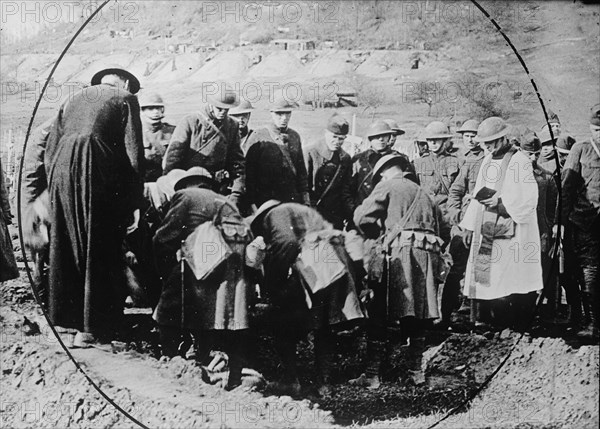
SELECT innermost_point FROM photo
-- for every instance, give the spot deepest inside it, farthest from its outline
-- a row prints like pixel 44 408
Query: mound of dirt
pixel 384 64
pixel 67 68
pixel 85 75
pixel 278 64
pixel 178 67
pixel 225 66
pixel 331 64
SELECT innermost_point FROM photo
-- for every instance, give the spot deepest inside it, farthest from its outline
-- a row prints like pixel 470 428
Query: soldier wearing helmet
pixel 437 170
pixel 581 210
pixel 157 133
pixel 379 135
pixel 241 114
pixel 209 138
pixel 459 197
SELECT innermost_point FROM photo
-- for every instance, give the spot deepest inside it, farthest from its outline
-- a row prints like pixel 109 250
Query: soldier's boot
pixel 324 353
pixel 371 378
pixel 589 297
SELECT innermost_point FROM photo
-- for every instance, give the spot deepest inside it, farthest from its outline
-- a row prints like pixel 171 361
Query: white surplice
pixel 516 262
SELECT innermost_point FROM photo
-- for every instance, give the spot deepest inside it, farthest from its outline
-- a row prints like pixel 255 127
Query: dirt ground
pixel 548 380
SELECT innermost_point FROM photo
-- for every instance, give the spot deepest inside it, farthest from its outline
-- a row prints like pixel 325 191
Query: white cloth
pixel 516 262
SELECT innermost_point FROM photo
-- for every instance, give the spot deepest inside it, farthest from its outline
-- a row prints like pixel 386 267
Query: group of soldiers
pixel 328 237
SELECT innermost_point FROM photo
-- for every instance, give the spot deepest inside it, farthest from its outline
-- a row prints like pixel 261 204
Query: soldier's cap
pixel 261 212
pixel 394 126
pixel 470 126
pixel 241 109
pixel 553 117
pixel 224 99
pixel 338 125
pixel 437 130
pixel 379 128
pixel 491 129
pixel 545 137
pixel 386 162
pixel 282 104
pixel 192 175
pixel 530 142
pixel 134 83
pixel 595 115
pixel 150 99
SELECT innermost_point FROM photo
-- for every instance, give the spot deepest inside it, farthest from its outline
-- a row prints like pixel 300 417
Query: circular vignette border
pixel 89 379
pixel 19 214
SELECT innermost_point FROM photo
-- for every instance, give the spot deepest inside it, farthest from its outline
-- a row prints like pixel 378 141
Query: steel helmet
pixel 491 129
pixel 244 107
pixel 379 128
pixel 394 126
pixel 437 130
pixel 469 126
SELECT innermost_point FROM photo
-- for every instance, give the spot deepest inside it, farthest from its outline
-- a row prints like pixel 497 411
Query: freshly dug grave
pixel 545 382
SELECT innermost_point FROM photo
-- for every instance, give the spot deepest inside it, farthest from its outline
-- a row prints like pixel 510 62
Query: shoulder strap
pixel 207 122
pixel 284 151
pixel 338 171
pixel 399 227
pixel 441 179
pixel 595 148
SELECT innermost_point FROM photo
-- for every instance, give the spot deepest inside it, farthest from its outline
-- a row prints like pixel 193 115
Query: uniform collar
pixel 324 151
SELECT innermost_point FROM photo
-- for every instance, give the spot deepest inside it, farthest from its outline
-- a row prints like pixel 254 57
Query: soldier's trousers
pixel 587 251
pixel 451 291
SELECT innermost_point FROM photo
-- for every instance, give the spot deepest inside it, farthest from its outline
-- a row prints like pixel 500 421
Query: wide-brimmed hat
pixel 194 173
pixel 491 129
pixel 224 99
pixel 244 107
pixel 436 130
pixel 134 83
pixel 386 162
pixel 148 99
pixel 595 115
pixel 283 105
pixel 469 126
pixel 260 213
pixel 394 126
pixel 379 128
pixel 166 183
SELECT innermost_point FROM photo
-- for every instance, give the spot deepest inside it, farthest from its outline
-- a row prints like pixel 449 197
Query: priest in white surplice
pixel 502 226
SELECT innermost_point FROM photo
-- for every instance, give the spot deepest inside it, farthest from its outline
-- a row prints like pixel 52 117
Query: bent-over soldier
pixel 217 304
pixel 284 227
pixel 405 279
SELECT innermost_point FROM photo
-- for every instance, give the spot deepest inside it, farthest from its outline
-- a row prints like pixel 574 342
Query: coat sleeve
pixel 236 164
pixel 167 239
pixel 457 191
pixel 134 146
pixel 520 190
pixel 571 181
pixel 301 176
pixel 4 201
pixel 178 146
pixel 346 190
pixel 252 168
pixel 34 179
pixel 309 162
pixel 470 218
pixel 372 212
